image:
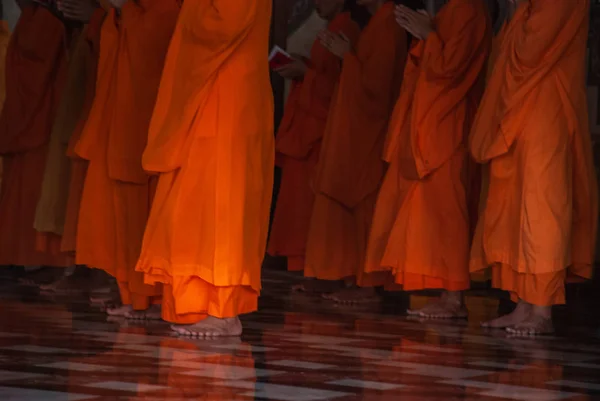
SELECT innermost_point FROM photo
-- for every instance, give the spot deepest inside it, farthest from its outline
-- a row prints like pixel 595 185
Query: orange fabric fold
pixel 350 169
pixel 298 143
pixel 78 167
pixel 540 215
pixel 35 70
pixel 421 228
pixel 211 139
pixel 117 193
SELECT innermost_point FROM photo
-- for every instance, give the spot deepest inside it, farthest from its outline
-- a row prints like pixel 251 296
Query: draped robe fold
pixel 211 142
pixel 539 221
pixel 35 69
pixel 350 168
pixel 298 142
pixel 117 192
pixel 421 229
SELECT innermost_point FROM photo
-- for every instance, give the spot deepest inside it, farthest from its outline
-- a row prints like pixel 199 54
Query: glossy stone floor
pixel 295 349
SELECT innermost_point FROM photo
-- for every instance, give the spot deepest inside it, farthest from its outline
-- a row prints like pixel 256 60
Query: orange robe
pixel 35 66
pixel 211 140
pixel 350 168
pixel 421 226
pixel 117 193
pixel 78 168
pixel 298 142
pixel 540 217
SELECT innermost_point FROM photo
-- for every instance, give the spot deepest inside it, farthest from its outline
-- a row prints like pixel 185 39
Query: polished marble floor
pixel 295 349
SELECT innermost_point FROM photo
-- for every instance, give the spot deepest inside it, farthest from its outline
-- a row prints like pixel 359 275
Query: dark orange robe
pixel 78 168
pixel 117 193
pixel 35 68
pixel 350 167
pixel 421 230
pixel 211 140
pixel 540 217
pixel 298 142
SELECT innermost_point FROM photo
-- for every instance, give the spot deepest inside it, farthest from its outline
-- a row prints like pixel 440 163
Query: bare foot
pixel 449 306
pixel 211 327
pixel 354 296
pixel 538 322
pixel 314 286
pixel 517 316
pixel 119 310
pixel 154 312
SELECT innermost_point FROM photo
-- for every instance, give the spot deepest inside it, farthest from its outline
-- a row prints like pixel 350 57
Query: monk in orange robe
pixel 539 224
pixel 298 140
pixel 421 228
pixel 117 193
pixel 211 141
pixel 35 68
pixel 350 168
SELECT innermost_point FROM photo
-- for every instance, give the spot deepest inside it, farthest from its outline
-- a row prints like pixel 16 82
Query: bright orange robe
pixel 117 193
pixel 79 166
pixel 298 142
pixel 35 66
pixel 211 140
pixel 350 168
pixel 421 225
pixel 540 217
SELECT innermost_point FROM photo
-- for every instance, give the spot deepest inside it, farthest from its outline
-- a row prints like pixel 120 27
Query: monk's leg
pixel 449 306
pixel 145 308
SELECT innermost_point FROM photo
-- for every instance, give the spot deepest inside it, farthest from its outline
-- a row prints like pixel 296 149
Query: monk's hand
pixel 294 70
pixel 337 43
pixel 418 23
pixel 78 10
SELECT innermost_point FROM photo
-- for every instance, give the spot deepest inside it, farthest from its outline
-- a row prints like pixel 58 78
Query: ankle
pixel 544 312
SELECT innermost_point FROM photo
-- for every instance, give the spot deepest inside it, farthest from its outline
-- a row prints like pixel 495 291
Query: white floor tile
pixel 443 372
pixel 301 364
pixel 22 394
pixel 519 393
pixel 370 385
pixel 283 393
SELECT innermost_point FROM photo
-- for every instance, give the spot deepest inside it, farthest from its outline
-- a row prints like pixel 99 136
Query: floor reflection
pixel 296 348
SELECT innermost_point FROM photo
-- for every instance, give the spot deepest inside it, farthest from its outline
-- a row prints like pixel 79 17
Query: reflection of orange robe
pixel 116 198
pixel 421 224
pixel 298 143
pixel 211 140
pixel 78 168
pixel 350 168
pixel 35 65
pixel 541 211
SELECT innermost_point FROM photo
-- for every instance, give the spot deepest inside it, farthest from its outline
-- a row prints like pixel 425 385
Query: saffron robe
pixel 211 141
pixel 117 193
pixel 78 166
pixel 540 218
pixel 298 142
pixel 350 168
pixel 421 230
pixel 35 68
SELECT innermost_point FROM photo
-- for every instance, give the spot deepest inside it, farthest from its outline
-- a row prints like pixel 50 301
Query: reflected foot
pixel 122 310
pixel 154 312
pixel 519 315
pixel 354 296
pixel 449 306
pixel 314 286
pixel 66 285
pixel 211 327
